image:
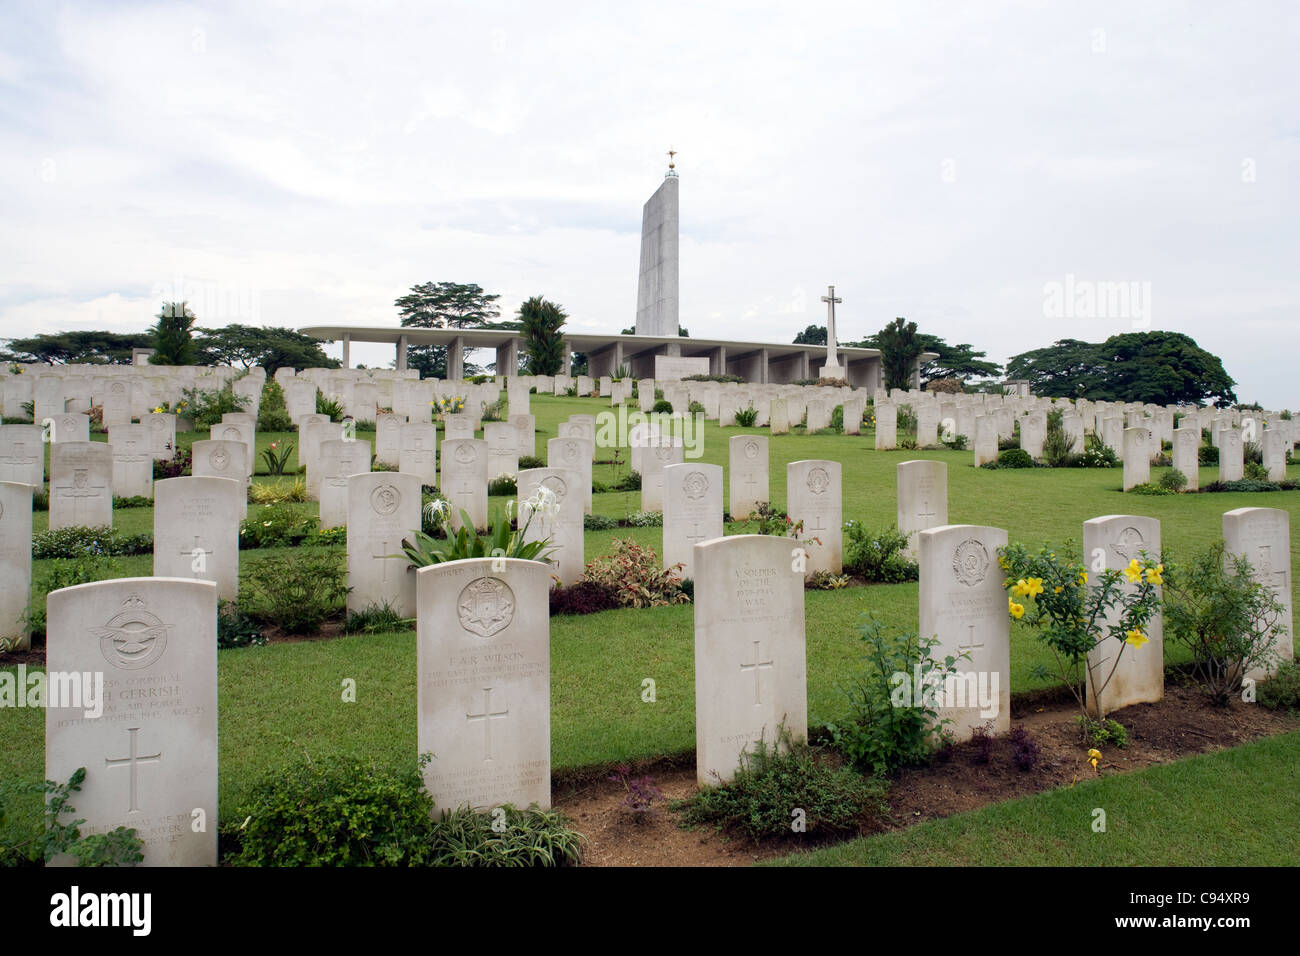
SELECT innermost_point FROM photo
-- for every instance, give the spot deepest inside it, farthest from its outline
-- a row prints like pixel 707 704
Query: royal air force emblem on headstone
pixel 134 637
pixel 970 562
pixel 486 606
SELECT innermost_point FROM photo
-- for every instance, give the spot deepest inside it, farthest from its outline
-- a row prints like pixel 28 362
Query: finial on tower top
pixel 671 153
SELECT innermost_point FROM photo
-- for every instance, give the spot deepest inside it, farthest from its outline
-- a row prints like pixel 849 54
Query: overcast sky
pixel 302 164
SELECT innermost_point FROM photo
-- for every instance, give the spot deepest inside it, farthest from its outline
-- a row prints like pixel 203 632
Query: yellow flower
pixel 1033 587
pixel 1017 610
pixel 1083 577
pixel 1056 590
pixel 158 410
pixel 1136 638
pixel 1020 589
pixel 1154 574
pixel 1094 756
pixel 1133 572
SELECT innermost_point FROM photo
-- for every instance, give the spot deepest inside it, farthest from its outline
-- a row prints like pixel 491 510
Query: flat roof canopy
pixel 578 342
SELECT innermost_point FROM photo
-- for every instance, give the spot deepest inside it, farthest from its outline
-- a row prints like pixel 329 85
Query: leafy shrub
pixel 276 526
pixel 951 386
pixel 695 408
pixel 1254 471
pixel 878 556
pixel 1015 458
pixel 645 519
pixel 329 406
pixel 341 811
pixel 207 406
pixel 630 482
pixel 1173 480
pixel 778 777
pixel 584 597
pixel 636 575
pixel 63 573
pixel 956 442
pixel 297 593
pixel 1245 484
pixel 1103 731
pixel 1282 690
pixel 40 500
pixel 1207 455
pixel 41 840
pixel 178 466
pixel 503 485
pixel 1252 453
pixel 134 501
pixel 1025 751
pixel 235 628
pixel 277 492
pixel 1059 444
pixel 1229 621
pixel 80 541
pixel 598 523
pixel 497 411
pixel 377 619
pixel 827 581
pixel 531 461
pixel 641 793
pixel 663 405
pixel 887 727
pixel 773 522
pixel 272 413
pixel 500 540
pixel 748 417
pixel 1146 488
pixel 737 379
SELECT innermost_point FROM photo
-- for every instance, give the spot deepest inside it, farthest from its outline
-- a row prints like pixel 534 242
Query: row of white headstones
pixel 484 668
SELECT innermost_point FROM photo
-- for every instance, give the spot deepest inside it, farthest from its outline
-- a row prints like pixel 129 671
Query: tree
pixel 271 348
pixel 813 335
pixel 443 305
pixel 954 361
pixel 541 322
pixel 173 338
pixel 89 348
pixel 1161 368
pixel 899 349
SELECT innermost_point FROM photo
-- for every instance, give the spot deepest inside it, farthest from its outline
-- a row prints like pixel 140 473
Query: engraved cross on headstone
pixel 970 643
pixel 133 761
pixel 487 717
pixel 926 513
pixel 190 552
pixel 385 557
pixel 757 667
pixel 698 535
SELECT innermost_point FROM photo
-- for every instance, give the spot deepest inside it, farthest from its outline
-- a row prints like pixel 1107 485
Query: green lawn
pixel 277 702
pixel 1235 807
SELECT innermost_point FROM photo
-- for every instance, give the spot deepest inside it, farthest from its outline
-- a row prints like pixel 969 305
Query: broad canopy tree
pixel 1161 368
pixel 85 348
pixel 271 348
pixel 444 305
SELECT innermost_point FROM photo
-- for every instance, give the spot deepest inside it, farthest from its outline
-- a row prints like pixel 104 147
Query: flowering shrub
pixel 442 407
pixel 500 541
pixel 277 492
pixel 276 526
pixel 1051 594
pixel 645 519
pixel 178 466
pixel 637 576
pixel 879 556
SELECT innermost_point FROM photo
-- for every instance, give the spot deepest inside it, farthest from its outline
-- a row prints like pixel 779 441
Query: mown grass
pixel 1235 807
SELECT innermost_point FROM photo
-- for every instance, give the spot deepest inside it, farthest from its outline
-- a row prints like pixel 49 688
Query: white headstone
pixel 660 452
pixel 383 509
pixel 340 459
pixel 465 479
pixel 1137 457
pixel 132 461
pixel 962 602
pixel 574 454
pixel 196 531
pixel 162 435
pixel 814 495
pixel 503 455
pixel 70 426
pixel 750 654
pixel 1140 676
pixel 418 454
pixel 388 440
pixel 692 511
pixel 15 563
pixel 564 530
pixel 151 757
pixel 1263 535
pixel 1231 455
pixel 886 427
pixel 81 484
pixel 748 474
pixel 22 454
pixel 484 694
pixel 922 499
